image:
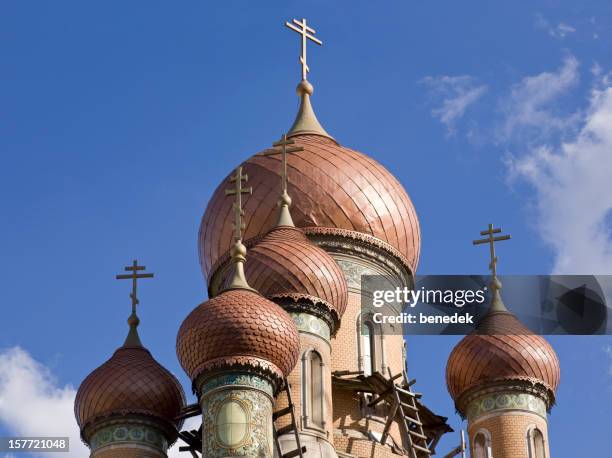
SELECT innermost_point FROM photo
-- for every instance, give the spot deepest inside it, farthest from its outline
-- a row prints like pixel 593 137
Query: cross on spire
pixel 491 241
pixel 307 33
pixel 238 190
pixel 280 147
pixel 134 276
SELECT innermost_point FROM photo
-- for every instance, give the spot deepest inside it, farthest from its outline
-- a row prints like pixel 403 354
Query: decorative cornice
pixel 362 245
pixel 512 384
pixel 130 417
pixel 250 364
pixel 297 302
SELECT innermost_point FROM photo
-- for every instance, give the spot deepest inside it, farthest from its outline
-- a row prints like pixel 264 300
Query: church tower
pixel 237 348
pixel 503 379
pixel 127 407
pixel 352 211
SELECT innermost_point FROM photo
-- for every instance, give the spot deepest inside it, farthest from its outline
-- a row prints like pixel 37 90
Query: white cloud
pixel 454 95
pixel 32 403
pixel 560 31
pixel 530 109
pixel 573 188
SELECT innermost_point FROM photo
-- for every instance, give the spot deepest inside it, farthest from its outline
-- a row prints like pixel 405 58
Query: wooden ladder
pixel 410 420
pixel 291 427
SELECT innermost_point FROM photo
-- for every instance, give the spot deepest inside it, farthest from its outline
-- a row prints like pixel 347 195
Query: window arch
pixel 313 390
pixel 535 443
pixel 481 444
pixel 369 345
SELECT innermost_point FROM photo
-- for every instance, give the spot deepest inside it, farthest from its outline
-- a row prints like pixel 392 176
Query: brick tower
pixel 503 379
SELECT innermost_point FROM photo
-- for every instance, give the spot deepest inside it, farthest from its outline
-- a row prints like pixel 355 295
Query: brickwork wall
pixel 348 413
pixel 508 430
pixel 308 342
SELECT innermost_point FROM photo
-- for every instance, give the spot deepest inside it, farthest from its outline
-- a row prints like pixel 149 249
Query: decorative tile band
pixel 506 401
pixel 238 379
pixel 128 433
pixel 237 423
pixel 309 323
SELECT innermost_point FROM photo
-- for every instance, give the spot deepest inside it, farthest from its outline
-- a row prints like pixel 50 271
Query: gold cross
pixel 283 151
pixel 491 241
pixel 238 190
pixel 134 276
pixel 307 34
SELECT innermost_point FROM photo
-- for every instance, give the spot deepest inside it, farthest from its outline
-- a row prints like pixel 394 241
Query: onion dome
pixel 238 329
pixel 333 188
pixel 130 383
pixel 286 267
pixel 501 349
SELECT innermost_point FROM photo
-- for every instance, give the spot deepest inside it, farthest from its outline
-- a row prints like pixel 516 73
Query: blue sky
pixel 119 119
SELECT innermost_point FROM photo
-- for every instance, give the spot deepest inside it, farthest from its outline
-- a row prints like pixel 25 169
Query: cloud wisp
pixel 453 95
pixel 530 113
pixel 560 31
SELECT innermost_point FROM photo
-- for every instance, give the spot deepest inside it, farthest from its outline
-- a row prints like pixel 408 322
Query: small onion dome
pixel 332 187
pixel 241 329
pixel 285 266
pixel 502 349
pixel 131 382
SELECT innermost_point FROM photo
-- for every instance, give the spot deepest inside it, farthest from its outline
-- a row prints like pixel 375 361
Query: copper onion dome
pixel 332 187
pixel 130 382
pixel 501 349
pixel 238 328
pixel 285 266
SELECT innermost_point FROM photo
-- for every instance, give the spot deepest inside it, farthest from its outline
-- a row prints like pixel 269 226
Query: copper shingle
pixel 284 262
pixel 131 381
pixel 330 186
pixel 238 328
pixel 501 348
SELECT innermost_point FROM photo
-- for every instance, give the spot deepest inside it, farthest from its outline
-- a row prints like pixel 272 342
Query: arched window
pixel 313 390
pixel 368 348
pixel 535 443
pixel 482 444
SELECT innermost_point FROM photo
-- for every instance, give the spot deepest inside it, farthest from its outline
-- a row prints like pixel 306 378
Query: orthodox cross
pixel 307 34
pixel 134 276
pixel 491 241
pixel 283 143
pixel 238 190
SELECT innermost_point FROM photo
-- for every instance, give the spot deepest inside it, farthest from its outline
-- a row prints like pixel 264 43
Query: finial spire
pixel 497 303
pixel 284 202
pixel 132 339
pixel 238 251
pixel 306 121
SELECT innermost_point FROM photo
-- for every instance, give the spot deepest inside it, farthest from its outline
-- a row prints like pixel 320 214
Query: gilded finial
pixel 238 251
pixel 283 147
pixel 496 302
pixel 133 340
pixel 306 121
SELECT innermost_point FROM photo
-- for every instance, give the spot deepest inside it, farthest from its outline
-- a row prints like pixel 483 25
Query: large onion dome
pixel 238 328
pixel 332 187
pixel 501 349
pixel 130 383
